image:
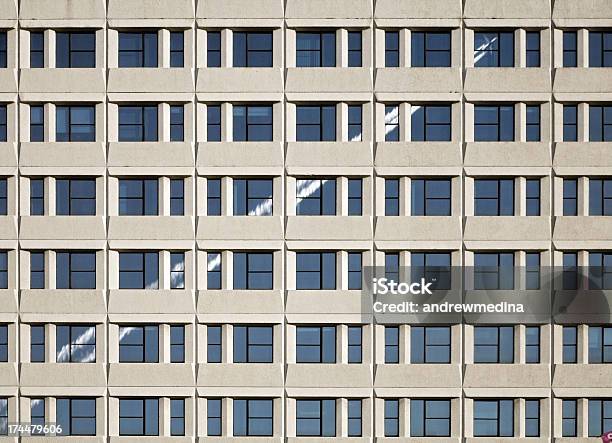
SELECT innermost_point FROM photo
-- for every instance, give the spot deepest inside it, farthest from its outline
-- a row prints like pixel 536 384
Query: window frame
pixel 146 258
pixel 142 345
pixel 569 412
pixel 570 186
pixel 501 58
pixel 247 62
pixel 533 128
pixel 180 344
pixel 249 346
pixel 252 126
pixel 71 135
pixel 324 405
pixel 600 132
pixel 570 128
pixel 497 345
pixel 496 195
pixel 498 418
pixel 145 198
pixel 174 419
pixel 421 49
pixel 177 127
pixel 72 344
pixel 213 55
pixel 530 346
pixel 422 343
pixel 36 270
pixel 423 429
pixel 392 59
pixel 354 50
pixel 215 271
pixel 251 198
pixel 70 255
pixel 323 125
pixel 570 49
pixel 324 186
pixel 392 122
pixel 144 111
pixel 249 417
pixel 323 277
pixel 569 345
pixel 177 270
pixel 324 352
pixel 71 417
pixel 498 124
pixel 600 57
pixel 351 357
pixel 142 52
pixel 213 345
pixel 246 283
pixel 215 123
pixel 142 418
pixel 73 200
pixel 36 343
pixel 213 198
pixel 420 202
pixel 535 53
pixel 74 52
pixel 391 417
pixel 174 42
pixel 37 129
pixel 533 197
pixel 321 53
pixel 217 418
pixel 425 126
pixel 4 345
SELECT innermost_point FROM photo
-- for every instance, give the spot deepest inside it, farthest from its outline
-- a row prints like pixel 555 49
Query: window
pixel 316 123
pixel 354 418
pixel 138 196
pixel 75 49
pixel 316 270
pixel 252 49
pixel 494 49
pixel 600 414
pixel 213 123
pixel 177 270
pixel 37 414
pixel 138 270
pixel 253 270
pixel 75 270
pixel 493 344
pixel 600 55
pixel 570 418
pixel 392 196
pixel 3 196
pixel 177 132
pixel 600 120
pixel 253 417
pixel 3 270
pixel 213 419
pixel 600 344
pixel 431 197
pixel 533 49
pixel 213 196
pixel 570 123
pixel 316 418
pixel 600 196
pixel 532 344
pixel 354 270
pixel 430 418
pixel 600 270
pixel 315 49
pixel 316 196
pixel 494 270
pixel 138 416
pixel 533 196
pixel 493 123
pixel 76 416
pixel 392 126
pixel 355 192
pixel 392 266
pixel 354 123
pixel 431 123
pixel 177 416
pixel 494 197
pixel 315 344
pixel 75 124
pixel 532 418
pixel 37 270
pixel 493 418
pixel 213 49
pixel 354 49
pixel 532 270
pixel 570 49
pixel 3 49
pixel 3 124
pixel 75 196
pixel 391 49
pixel 213 270
pixel 253 344
pixel 138 49
pixel 253 197
pixel 431 49
pixel 3 343
pixel 177 196
pixel 570 344
pixel 177 344
pixel 138 344
pixel 213 344
pixel 252 123
pixel 391 344
pixel 354 344
pixel 570 270
pixel 391 418
pixel 37 123
pixel 138 123
pixel 430 344
pixel 75 344
pixel 533 123
pixel 570 196
pixel 433 267
pixel 177 50
pixel 37 344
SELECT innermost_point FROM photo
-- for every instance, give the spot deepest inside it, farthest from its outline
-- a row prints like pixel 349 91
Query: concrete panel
pixel 245 80
pixel 238 302
pixel 75 302
pixel 62 154
pixel 62 9
pixel 582 232
pixel 64 374
pixel 151 154
pixel 582 83
pixel 425 229
pixel 8 81
pixel 582 158
pixel 506 376
pixel 328 228
pixel 8 228
pixel 9 9
pixel 62 81
pixel 238 9
pixel 151 80
pixel 240 228
pixel 411 83
pixel 424 376
pixel 237 375
pixel 506 230
pixel 581 376
pixel 150 375
pixel 507 154
pixel 328 376
pixel 505 9
pixel 580 11
pixel 303 156
pixel 326 303
pixel 123 301
pixel 348 81
pixel 436 156
pixel 150 228
pixel 508 80
pixel 63 228
pixel 239 155
pixel 8 374
pixel 146 9
pixel 324 9
pixel 432 9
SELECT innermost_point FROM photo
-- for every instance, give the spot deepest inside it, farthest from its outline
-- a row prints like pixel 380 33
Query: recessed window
pixel 139 344
pixel 392 266
pixel 316 123
pixel 354 49
pixel 355 195
pixel 75 49
pixel 431 123
pixel 533 123
pixel 75 196
pixel 355 120
pixel 430 344
pixel 354 417
pixel 570 196
pixel 253 344
pixel 37 123
pixel 37 344
pixel 37 196
pixel 138 123
pixel 532 418
pixel 253 197
pixel 3 270
pixel 138 416
pixel 37 270
pixel 354 270
pixel 600 50
pixel 315 344
pixel 177 127
pixel 253 270
pixel 177 196
pixel 253 417
pixel 493 270
pixel 391 197
pixel 138 196
pixel 355 340
pixel 75 343
pixel 177 416
pixel 391 418
pixel 177 270
pixel 392 126
pixel 600 122
pixel 213 49
pixel 391 49
pixel 252 123
pixel 570 344
pixel 600 270
pixel 570 123
pixel 213 344
pixel 532 270
pixel 430 418
pixel 533 49
pixel 431 49
pixel 75 270
pixel 533 196
pixel 213 123
pixel 493 418
pixel 493 123
pixel 213 270
pixel 316 270
pixel 138 270
pixel 37 415
pixel 493 197
pixel 76 416
pixel 75 124
pixel 431 197
pixel 532 344
pixel 569 423
pixel 177 49
pixel 252 49
pixel 3 343
pixel 177 344
pixel 316 418
pixel 3 123
pixel 392 344
pixel 3 49
pixel 315 49
pixel 316 196
pixel 214 416
pixel 213 196
pixel 600 416
pixel 493 344
pixel 434 267
pixel 494 49
pixel 570 270
pixel 138 49
pixel 570 49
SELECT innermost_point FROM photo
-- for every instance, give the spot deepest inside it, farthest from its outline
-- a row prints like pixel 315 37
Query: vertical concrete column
pixel 290 269
pixel 50 269
pixel 520 48
pixel 379 196
pixel 379 344
pixel 100 119
pixel 519 417
pixel 113 341
pixel 289 49
pixel 468 44
pixel 342 196
pixel 520 199
pixel 557 190
pixel 342 122
pixel 404 122
pixel 277 265
pixel 583 122
pixel 227 122
pixel 379 48
pixel 113 269
pixel 50 127
pixel 277 48
pixel 164 270
pixel 24 196
pixel 163 196
pixel 201 48
pixel 227 414
pixel 164 416
pixel 342 417
pixel 557 49
pixel 227 270
pixel 520 122
pixel 163 122
pixel 583 48
pixel 468 196
pixel 227 196
pixel 404 417
pixel 582 351
pixel 201 122
pixel 227 347
pixel 112 48
pixel 468 344
pixel 583 196
pixel 342 344
pixel 341 270
pixel 278 121
pixel 101 49
pixel 456 190
pixel 404 48
pixel 342 48
pixel 456 340
pixel 379 121
pixel 24 48
pixel 404 344
pixel 227 48
pixel 367 47
pixel 405 196
pixel 163 49
pixel 582 412
pixel 24 333
pixel 49 46
pixel 520 334
pixel 468 116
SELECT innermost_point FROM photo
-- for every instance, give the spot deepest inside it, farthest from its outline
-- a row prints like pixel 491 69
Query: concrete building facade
pixel 219 269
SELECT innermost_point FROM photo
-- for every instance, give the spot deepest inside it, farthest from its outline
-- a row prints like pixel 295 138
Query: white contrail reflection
pixel 85 339
pixel 306 188
pixel 481 51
